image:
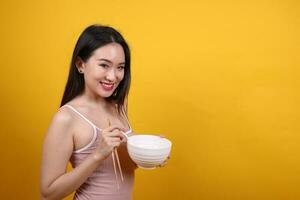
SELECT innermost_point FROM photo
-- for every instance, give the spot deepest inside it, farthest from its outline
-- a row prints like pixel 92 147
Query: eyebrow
pixel 109 60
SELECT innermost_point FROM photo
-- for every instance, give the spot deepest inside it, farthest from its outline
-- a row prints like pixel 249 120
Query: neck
pixel 94 100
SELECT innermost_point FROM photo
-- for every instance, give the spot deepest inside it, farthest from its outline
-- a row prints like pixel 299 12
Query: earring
pixel 80 71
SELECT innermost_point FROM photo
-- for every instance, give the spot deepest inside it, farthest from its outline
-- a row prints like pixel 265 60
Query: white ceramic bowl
pixel 148 151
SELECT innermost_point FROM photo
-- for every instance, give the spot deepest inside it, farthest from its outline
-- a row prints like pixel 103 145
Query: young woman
pixel 88 128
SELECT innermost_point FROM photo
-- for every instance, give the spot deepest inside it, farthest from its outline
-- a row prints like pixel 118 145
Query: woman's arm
pixel 56 183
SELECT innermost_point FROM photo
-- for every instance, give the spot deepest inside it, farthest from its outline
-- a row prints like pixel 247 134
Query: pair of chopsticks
pixel 115 156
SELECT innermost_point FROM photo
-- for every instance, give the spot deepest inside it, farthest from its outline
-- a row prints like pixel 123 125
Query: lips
pixel 107 86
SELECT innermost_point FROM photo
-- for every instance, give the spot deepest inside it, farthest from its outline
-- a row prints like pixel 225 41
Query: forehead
pixel 112 51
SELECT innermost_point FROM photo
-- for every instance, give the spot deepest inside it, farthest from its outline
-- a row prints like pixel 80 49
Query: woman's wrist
pixel 97 156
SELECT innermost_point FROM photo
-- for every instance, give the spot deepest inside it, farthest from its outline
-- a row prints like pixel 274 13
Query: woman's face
pixel 104 70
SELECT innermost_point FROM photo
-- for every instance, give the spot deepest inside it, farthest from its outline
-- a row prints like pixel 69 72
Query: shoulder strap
pixel 82 116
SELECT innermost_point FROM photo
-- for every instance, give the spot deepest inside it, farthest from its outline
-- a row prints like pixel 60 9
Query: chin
pixel 105 94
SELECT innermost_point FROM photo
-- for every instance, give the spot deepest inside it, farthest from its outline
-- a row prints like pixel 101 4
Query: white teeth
pixel 106 84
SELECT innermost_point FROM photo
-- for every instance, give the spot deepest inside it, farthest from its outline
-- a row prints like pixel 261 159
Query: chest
pixel 83 131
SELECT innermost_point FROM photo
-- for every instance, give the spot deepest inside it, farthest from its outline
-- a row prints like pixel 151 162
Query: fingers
pixel 124 140
pixel 115 144
pixel 164 163
pixel 113 138
pixel 113 131
pixel 110 142
pixel 112 128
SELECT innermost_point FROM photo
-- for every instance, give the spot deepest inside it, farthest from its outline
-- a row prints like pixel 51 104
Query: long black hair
pixel 92 38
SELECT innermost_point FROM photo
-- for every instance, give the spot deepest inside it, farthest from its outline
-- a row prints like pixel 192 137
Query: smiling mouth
pixel 107 86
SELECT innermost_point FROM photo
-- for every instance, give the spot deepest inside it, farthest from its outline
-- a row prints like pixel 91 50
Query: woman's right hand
pixel 110 138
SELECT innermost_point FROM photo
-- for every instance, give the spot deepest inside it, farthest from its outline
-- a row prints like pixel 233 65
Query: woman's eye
pixel 104 65
pixel 121 67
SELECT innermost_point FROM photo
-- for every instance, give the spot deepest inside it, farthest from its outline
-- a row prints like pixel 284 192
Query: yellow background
pixel 218 78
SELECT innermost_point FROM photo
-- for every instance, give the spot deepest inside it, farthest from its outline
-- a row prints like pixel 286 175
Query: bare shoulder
pixel 62 122
pixel 57 146
pixel 64 116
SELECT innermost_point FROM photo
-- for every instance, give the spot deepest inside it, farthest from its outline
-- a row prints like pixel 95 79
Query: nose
pixel 111 75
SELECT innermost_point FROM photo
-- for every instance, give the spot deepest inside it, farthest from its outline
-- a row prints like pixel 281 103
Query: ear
pixel 80 65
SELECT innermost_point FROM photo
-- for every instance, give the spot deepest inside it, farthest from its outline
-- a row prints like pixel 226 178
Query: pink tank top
pixel 104 183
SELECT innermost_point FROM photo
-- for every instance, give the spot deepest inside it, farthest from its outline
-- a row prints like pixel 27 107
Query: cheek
pixel 121 75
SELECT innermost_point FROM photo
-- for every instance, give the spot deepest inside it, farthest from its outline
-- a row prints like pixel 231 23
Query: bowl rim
pixel 168 142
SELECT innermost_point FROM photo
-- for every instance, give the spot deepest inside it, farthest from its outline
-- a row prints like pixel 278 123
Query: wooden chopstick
pixel 115 169
pixel 115 154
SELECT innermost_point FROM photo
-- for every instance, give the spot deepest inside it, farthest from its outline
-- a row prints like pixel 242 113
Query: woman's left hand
pixel 164 163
